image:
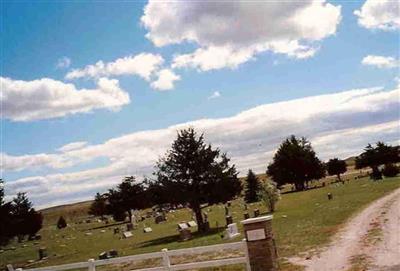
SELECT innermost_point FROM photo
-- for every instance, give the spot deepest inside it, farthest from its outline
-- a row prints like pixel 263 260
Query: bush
pixel 61 223
pixel 390 170
pixel 270 194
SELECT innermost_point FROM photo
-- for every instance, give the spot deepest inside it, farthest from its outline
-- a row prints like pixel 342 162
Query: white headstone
pixel 127 234
pixel 232 231
pixel 182 226
pixel 192 224
pixel 147 229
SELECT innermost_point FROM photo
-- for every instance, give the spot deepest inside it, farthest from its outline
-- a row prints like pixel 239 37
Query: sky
pixel 92 91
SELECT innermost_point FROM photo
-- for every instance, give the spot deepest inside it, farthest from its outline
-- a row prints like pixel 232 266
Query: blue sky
pixel 36 36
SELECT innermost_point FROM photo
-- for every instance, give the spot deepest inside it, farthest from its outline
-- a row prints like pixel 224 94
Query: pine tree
pixel 252 187
pixel 193 172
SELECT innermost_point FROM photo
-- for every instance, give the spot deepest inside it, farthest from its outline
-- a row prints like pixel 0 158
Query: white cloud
pixel 63 63
pixel 215 95
pixel 23 162
pixel 379 14
pixel 47 98
pixel 382 62
pixel 231 33
pixel 338 124
pixel 143 65
pixel 165 80
pixel 73 146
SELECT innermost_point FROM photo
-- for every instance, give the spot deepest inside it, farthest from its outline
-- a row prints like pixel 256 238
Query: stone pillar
pixel 260 243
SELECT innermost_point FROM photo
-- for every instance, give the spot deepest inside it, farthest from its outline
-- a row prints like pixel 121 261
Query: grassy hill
pixel 303 220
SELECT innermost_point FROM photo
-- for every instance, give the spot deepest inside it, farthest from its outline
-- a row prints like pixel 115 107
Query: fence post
pixel 246 254
pixel 260 243
pixel 92 266
pixel 166 261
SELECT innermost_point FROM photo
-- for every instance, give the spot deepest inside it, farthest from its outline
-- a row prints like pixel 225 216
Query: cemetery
pixel 297 227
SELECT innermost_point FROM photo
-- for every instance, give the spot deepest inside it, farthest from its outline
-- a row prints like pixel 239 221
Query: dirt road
pixel 369 241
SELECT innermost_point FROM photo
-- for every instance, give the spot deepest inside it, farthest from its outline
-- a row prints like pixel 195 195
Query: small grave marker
pixel 232 231
pixel 147 230
pixel 127 234
pixel 103 256
pixel 192 223
pixel 182 226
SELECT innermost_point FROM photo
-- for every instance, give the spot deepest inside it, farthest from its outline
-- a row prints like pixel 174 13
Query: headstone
pixel 330 196
pixel 192 223
pixel 133 218
pixel 116 230
pixel 103 256
pixel 182 226
pixel 88 233
pixel 160 218
pixel 232 231
pixel 228 219
pixel 42 253
pixel 229 204
pixel 256 212
pixel 185 234
pixel 246 215
pixel 205 217
pixel 129 227
pixel 127 234
pixel 113 253
pixel 147 229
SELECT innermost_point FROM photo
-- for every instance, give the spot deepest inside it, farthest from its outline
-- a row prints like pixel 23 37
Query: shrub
pixel 270 194
pixel 390 170
pixel 61 223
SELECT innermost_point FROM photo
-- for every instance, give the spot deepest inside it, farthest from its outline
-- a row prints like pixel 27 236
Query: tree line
pixel 196 175
pixel 17 217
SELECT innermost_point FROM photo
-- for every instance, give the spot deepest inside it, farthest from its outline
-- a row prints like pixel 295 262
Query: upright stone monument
pixel 260 243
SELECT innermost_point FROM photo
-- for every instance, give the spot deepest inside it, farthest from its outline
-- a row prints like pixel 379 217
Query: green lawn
pixel 303 220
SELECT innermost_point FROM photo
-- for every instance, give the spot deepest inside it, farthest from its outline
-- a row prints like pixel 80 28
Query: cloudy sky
pixel 95 91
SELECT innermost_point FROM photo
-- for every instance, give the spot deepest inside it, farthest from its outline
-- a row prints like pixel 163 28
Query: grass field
pixel 303 221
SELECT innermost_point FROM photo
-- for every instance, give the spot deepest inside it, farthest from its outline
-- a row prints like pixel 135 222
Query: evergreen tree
pixel 296 163
pixel 25 220
pixel 374 157
pixel 98 207
pixel 336 167
pixel 126 196
pixel 5 217
pixel 193 172
pixel 252 187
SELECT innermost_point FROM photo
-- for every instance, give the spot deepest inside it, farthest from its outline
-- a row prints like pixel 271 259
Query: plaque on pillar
pixel 258 232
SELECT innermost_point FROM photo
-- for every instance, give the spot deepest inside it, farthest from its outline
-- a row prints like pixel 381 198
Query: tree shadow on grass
pixel 175 238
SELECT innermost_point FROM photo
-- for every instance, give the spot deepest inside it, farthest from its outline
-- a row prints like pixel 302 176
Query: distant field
pixel 303 220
